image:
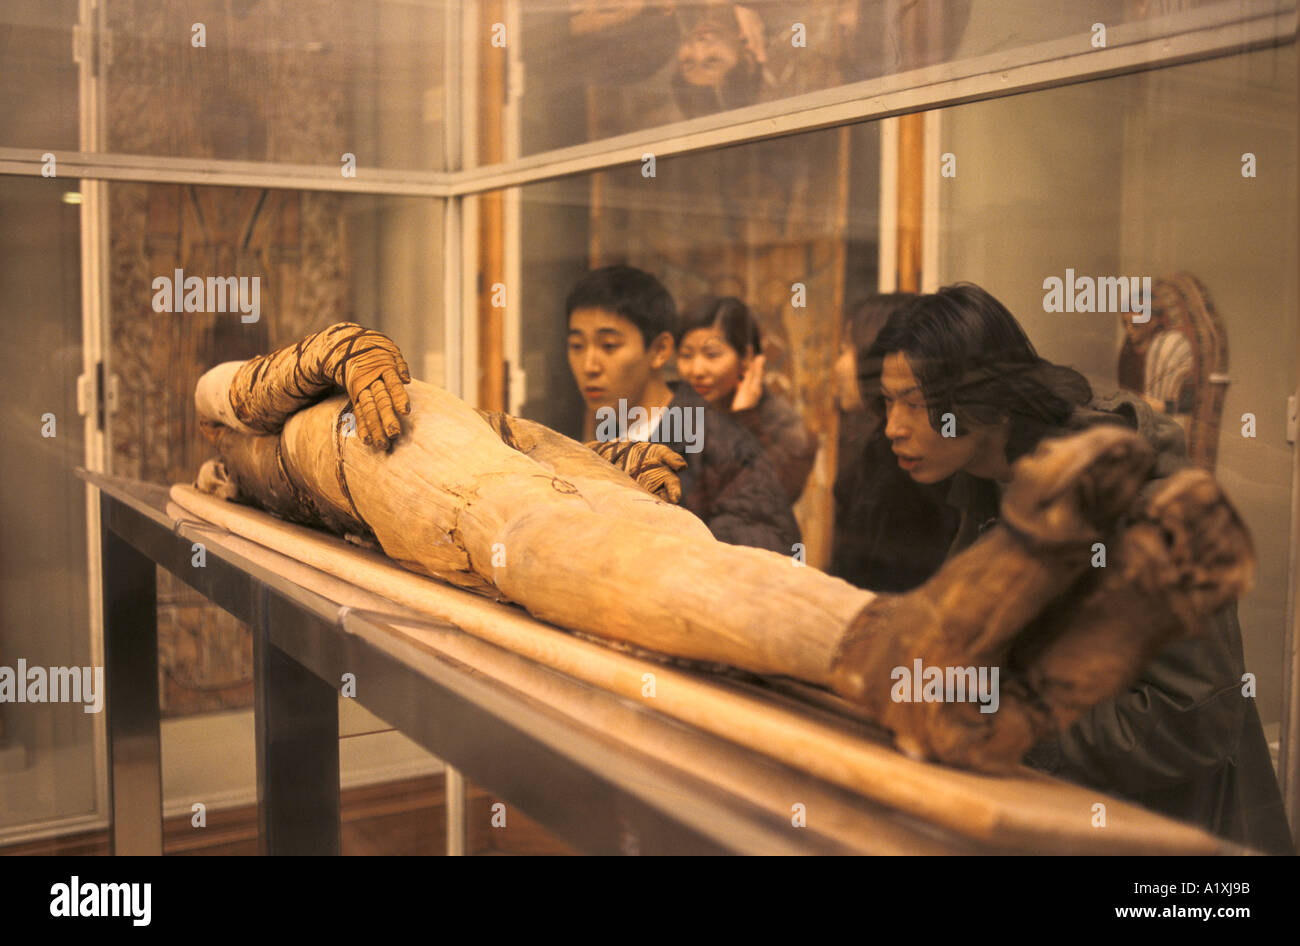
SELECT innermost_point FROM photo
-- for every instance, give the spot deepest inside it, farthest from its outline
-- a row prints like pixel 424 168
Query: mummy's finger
pixel 387 415
pixel 397 392
pixel 368 420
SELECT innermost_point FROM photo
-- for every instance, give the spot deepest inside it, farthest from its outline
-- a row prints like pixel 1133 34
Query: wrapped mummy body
pixel 506 507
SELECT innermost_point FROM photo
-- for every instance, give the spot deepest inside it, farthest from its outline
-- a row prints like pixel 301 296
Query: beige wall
pixel 1140 175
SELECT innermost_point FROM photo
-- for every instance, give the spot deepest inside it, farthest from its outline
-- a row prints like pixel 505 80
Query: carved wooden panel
pixel 255 92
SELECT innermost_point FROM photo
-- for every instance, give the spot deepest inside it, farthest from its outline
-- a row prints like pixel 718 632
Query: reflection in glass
pixel 600 69
pixel 297 83
pixel 318 258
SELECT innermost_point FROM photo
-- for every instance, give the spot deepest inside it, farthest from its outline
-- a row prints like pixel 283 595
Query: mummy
pixel 333 432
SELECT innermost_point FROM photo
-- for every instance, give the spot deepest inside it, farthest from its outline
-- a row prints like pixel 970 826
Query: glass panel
pixel 298 83
pixel 46 748
pixel 38 76
pixel 304 82
pixel 314 258
pixel 1186 176
pixel 595 69
pixel 789 227
pixel 317 258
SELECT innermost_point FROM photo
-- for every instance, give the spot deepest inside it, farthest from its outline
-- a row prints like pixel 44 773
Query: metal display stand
pixel 599 795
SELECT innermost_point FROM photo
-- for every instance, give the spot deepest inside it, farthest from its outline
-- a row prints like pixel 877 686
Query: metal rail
pixel 591 788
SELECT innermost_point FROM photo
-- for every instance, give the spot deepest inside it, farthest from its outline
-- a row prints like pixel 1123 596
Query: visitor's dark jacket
pixel 731 484
pixel 891 533
pixel 1182 740
pixel 786 439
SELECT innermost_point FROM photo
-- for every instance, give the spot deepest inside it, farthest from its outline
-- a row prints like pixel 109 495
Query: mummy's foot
pixel 215 480
pixel 1065 496
pixel 1185 555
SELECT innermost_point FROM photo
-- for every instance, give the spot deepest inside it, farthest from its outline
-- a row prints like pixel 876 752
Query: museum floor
pixel 407 817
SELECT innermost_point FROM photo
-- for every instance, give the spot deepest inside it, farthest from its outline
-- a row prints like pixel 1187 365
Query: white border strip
pixel 155 170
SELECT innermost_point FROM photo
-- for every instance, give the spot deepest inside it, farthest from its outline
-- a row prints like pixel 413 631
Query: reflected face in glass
pixel 925 454
pixel 706 55
pixel 1140 334
pixel 848 396
pixel 710 365
pixel 608 357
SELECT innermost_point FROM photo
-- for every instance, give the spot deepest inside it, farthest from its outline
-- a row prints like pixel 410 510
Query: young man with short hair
pixel 621 323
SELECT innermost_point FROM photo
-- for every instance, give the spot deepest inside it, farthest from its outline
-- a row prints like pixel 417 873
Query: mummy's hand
pixel 652 465
pixel 374 373
pixel 266 391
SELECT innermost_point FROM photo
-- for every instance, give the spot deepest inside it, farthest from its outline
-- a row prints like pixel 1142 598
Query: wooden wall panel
pixel 257 91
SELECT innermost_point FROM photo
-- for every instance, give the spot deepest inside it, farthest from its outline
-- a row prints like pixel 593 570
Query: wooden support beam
pixel 491 234
pixel 911 188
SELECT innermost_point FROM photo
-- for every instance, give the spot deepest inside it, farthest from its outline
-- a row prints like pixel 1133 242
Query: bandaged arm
pixel 258 396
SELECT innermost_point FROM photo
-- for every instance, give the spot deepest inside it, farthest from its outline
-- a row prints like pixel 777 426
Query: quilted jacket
pixel 731 484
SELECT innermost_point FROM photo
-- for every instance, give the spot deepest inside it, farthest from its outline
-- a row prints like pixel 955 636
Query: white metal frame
pixel 517 381
pixel 95 347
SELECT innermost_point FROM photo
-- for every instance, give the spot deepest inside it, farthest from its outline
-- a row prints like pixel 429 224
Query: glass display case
pixel 445 172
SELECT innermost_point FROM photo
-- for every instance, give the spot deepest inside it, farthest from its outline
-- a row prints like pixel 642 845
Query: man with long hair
pixel 964 395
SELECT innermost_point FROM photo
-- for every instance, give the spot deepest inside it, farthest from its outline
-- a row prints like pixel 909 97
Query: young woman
pixel 964 394
pixel 720 355
pixel 885 523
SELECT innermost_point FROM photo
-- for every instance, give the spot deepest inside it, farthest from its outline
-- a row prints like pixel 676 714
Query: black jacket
pixel 786 439
pixel 891 533
pixel 731 484
pixel 1182 740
